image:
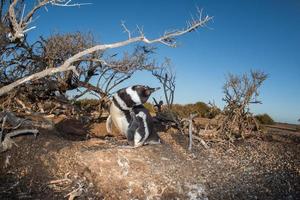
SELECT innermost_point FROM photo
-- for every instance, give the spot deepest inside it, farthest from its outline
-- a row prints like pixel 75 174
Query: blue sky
pixel 244 35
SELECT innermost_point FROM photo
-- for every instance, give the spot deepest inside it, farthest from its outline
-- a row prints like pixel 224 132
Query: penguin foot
pixel 128 147
pixel 153 142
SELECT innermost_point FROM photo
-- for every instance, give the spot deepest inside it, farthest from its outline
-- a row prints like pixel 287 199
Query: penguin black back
pixel 141 129
pixel 125 101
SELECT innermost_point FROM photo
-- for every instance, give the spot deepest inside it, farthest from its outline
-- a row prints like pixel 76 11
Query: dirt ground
pixel 63 160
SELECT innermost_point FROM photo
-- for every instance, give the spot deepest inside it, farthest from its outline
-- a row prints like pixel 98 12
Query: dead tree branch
pixel 20 23
pixel 7 143
pixel 190 121
pixel 166 76
pixel 169 39
pixel 15 122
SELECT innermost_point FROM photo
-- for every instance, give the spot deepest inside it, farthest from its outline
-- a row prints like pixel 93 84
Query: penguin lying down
pixel 130 116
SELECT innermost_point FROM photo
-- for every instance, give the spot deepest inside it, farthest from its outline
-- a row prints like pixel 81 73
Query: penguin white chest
pixel 119 119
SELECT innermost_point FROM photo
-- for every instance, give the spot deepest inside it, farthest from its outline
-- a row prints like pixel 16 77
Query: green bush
pixel 201 108
pixel 183 111
pixel 264 119
pixel 87 104
pixel 150 107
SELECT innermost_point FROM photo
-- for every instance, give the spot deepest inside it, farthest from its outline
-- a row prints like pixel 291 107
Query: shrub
pixel 150 107
pixel 264 119
pixel 201 108
pixel 88 104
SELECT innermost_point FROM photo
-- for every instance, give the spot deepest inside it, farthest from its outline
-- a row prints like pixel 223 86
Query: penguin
pixel 141 128
pixel 130 116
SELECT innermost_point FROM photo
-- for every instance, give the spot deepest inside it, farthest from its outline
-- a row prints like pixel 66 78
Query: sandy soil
pixel 64 160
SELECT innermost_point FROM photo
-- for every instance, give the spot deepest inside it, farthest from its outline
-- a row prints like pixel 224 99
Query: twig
pixel 2 127
pixel 126 29
pixel 201 141
pixel 7 161
pixel 65 179
pixel 11 187
pixel 75 193
pixel 60 181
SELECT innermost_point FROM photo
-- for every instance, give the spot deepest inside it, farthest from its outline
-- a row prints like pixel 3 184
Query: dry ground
pixel 62 160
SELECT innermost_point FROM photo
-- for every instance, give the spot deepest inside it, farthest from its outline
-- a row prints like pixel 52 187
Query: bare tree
pixel 49 94
pixel 167 116
pixel 33 75
pixel 167 78
pixel 240 92
pixel 169 39
pixel 19 58
pixel 18 21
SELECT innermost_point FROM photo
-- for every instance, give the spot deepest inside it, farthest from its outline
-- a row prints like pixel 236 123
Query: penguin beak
pixel 154 89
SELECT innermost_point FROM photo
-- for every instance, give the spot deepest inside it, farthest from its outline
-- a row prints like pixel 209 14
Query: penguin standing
pixel 141 129
pixel 130 116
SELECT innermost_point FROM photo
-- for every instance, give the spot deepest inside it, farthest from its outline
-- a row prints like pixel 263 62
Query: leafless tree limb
pixel 167 78
pixel 190 121
pixel 167 39
pixel 20 24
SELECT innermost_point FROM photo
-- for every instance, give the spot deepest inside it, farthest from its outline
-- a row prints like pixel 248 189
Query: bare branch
pixel 20 26
pixel 2 127
pixel 7 143
pixel 167 78
pixel 67 65
pixel 190 121
pixel 125 29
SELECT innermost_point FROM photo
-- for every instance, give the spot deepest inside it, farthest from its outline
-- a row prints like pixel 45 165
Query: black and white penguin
pixel 126 103
pixel 141 128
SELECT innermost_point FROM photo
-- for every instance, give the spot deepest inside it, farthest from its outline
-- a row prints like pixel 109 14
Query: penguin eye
pixel 147 92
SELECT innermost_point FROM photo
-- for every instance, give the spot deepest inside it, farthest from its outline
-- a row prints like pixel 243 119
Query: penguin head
pixel 144 92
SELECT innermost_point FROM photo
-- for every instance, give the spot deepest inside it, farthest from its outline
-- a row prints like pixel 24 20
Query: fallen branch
pixel 14 121
pixel 75 193
pixel 65 179
pixel 7 143
pixel 201 141
pixel 2 127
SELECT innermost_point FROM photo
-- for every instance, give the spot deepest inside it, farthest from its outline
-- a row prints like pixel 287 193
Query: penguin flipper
pixel 133 126
pixel 109 124
pixel 153 138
